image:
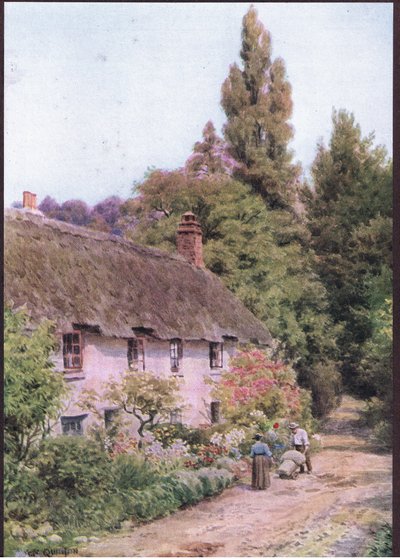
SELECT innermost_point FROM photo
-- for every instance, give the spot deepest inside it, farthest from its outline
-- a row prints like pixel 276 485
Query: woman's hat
pixel 257 436
pixel 293 425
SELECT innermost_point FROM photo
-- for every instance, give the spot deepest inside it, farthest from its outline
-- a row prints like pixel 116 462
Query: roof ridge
pixel 82 231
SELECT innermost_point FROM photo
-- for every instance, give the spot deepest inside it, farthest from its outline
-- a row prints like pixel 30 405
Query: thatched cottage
pixel 119 306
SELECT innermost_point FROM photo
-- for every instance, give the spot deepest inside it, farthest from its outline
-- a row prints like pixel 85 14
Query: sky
pixel 96 93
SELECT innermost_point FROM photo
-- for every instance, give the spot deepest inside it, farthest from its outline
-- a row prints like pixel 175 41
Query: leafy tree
pixel 33 390
pixel 377 371
pixel 260 254
pixel 108 209
pixel 49 207
pixel 149 398
pixel 74 211
pixel 210 157
pixel 258 105
pixel 350 222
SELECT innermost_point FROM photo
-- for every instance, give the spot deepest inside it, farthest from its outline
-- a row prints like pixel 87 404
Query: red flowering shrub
pixel 255 381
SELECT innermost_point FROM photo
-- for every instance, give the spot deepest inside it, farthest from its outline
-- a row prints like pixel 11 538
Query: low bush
pixel 382 544
pixel 378 417
pixel 187 487
pixel 75 465
pixel 152 502
pixel 176 490
pixel 214 480
pixel 167 433
pixel 133 471
pixel 23 493
pixel 326 386
pixel 75 486
pixel 102 512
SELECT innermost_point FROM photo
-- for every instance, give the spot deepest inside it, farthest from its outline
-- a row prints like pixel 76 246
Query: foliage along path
pixel 334 512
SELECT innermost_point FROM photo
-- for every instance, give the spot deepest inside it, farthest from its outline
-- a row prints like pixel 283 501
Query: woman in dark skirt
pixel 261 455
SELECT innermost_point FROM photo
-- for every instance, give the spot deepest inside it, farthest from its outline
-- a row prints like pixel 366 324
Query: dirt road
pixel 333 512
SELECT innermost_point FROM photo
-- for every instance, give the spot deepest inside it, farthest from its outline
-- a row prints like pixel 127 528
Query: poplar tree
pixel 258 105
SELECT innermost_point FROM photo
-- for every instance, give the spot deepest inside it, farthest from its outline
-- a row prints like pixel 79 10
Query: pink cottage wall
pixel 105 358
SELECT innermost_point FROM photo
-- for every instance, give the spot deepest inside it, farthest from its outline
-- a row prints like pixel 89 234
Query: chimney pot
pixel 29 200
pixel 189 241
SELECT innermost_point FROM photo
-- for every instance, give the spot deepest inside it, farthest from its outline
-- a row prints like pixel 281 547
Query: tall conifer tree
pixel 257 102
pixel 350 222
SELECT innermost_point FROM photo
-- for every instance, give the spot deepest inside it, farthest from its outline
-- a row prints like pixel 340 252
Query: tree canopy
pixel 33 390
pixel 258 105
pixel 349 217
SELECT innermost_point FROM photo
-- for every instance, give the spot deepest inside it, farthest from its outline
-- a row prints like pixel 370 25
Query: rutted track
pixel 331 513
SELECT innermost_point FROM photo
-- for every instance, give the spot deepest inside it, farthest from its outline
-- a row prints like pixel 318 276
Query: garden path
pixel 333 512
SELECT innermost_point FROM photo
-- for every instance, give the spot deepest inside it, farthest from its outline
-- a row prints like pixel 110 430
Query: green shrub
pixel 75 465
pixel 133 471
pixel 174 491
pixel 102 512
pixel 377 417
pixel 214 480
pixel 187 487
pixel 167 433
pixel 382 544
pixel 11 545
pixel 23 493
pixel 325 384
pixel 198 436
pixel 152 502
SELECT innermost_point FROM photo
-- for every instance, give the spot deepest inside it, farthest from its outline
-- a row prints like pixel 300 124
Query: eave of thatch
pixel 73 275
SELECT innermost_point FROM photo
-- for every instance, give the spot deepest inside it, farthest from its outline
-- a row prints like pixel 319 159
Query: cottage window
pixel 110 417
pixel 215 412
pixel 73 425
pixel 176 354
pixel 136 354
pixel 72 350
pixel 216 355
pixel 176 417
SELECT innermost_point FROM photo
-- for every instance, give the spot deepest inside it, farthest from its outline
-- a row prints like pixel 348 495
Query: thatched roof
pixel 73 275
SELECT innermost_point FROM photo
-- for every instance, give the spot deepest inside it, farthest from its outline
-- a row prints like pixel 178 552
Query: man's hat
pixel 293 425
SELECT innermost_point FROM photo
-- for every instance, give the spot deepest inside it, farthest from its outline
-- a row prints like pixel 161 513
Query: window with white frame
pixel 135 354
pixel 73 425
pixel 216 355
pixel 176 354
pixel 72 350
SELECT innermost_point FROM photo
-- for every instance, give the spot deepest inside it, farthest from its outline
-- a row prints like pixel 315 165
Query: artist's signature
pixel 63 551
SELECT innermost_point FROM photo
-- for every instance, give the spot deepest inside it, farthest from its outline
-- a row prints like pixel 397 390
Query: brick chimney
pixel 189 239
pixel 29 200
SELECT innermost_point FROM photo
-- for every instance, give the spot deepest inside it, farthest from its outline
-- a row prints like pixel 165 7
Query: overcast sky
pixel 95 93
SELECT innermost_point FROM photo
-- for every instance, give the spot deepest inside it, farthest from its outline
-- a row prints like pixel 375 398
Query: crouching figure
pixel 291 462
